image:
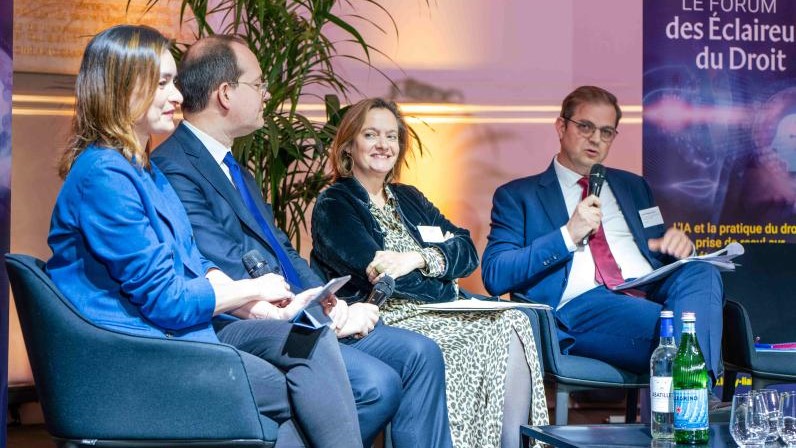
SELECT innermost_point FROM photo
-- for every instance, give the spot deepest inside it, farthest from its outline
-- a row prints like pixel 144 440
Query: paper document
pixel 480 305
pixel 722 259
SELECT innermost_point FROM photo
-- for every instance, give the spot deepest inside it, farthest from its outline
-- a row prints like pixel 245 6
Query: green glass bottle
pixel 690 385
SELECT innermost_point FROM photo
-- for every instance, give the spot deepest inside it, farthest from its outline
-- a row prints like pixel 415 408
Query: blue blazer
pixel 525 251
pixel 224 227
pixel 123 252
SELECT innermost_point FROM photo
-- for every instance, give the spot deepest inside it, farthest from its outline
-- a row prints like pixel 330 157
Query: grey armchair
pixel 98 387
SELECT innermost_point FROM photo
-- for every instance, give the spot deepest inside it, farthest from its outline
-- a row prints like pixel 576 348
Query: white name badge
pixel 651 217
pixel 431 234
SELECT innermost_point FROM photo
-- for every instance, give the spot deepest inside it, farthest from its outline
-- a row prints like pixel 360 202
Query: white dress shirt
pixel 216 149
pixel 620 240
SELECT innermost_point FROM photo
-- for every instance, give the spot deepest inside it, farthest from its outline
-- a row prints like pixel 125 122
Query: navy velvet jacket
pixel 346 237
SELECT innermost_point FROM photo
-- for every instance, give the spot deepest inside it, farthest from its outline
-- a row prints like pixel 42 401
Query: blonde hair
pixel 350 126
pixel 117 64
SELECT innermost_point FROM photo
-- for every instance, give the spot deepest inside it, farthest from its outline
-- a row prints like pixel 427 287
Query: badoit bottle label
pixel 691 409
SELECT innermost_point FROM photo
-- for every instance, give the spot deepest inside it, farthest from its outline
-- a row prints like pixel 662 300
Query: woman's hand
pixel 282 310
pixel 273 288
pixel 394 264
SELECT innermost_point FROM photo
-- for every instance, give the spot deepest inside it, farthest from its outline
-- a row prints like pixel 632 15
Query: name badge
pixel 431 234
pixel 651 217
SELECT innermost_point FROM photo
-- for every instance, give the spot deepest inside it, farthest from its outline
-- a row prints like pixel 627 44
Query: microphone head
pixel 385 285
pixel 254 263
pixel 596 179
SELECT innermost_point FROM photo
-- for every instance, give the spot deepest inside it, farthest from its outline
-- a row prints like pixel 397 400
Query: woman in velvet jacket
pixel 368 226
pixel 342 214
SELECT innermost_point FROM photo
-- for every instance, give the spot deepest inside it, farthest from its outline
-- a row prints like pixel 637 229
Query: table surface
pixel 612 435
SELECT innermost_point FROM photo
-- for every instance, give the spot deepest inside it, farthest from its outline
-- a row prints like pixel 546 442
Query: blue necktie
pixel 287 267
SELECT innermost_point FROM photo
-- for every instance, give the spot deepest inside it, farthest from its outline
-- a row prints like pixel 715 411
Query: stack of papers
pixel 722 259
pixel 480 305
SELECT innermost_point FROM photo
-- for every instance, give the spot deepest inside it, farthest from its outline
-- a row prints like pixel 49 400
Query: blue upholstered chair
pixel 571 373
pixel 99 387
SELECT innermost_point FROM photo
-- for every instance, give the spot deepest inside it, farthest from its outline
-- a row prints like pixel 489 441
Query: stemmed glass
pixel 748 420
pixel 773 412
pixel 787 422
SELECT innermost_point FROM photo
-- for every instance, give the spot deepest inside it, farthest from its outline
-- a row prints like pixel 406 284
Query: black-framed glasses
pixel 261 86
pixel 587 128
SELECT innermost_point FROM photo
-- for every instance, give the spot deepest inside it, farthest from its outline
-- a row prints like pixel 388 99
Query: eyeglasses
pixel 587 128
pixel 261 86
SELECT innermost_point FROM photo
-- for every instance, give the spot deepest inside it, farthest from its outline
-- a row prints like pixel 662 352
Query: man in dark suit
pixel 396 375
pixel 555 244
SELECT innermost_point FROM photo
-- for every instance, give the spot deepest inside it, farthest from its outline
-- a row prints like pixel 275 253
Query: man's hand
pixel 394 264
pixel 339 316
pixel 674 242
pixel 585 219
pixel 362 317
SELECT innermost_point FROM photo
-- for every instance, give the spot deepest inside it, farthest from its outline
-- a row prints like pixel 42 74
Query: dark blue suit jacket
pixel 224 228
pixel 123 252
pixel 526 253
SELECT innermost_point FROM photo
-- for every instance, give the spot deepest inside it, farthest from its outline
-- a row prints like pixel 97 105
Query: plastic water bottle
pixel 690 380
pixel 661 367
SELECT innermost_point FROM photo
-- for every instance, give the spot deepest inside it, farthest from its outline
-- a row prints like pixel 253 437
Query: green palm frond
pixel 291 39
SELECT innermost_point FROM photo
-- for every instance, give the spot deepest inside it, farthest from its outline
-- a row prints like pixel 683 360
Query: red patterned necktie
pixel 606 270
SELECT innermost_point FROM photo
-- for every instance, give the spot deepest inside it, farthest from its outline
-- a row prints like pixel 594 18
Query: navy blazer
pixel 224 227
pixel 346 236
pixel 123 252
pixel 526 253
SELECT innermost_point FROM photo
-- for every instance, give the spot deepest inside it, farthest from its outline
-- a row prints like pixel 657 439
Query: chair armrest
pixel 182 389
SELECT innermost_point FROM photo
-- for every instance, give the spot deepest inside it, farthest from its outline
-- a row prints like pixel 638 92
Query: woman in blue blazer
pixel 124 253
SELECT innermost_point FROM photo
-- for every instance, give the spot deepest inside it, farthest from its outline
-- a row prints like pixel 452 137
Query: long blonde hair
pixel 117 64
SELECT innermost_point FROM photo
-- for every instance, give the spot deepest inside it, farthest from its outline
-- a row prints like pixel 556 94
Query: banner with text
pixel 720 118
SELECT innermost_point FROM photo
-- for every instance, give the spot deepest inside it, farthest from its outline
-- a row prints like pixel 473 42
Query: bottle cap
pixel 667 314
pixel 689 316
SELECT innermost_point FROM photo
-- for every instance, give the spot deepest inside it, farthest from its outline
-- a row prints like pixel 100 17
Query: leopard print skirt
pixel 475 346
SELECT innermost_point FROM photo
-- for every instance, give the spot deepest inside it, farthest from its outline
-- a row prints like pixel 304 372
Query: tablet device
pixel 312 315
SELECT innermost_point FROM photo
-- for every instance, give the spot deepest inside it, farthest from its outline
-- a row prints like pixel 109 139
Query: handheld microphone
pixel 255 264
pixel 382 291
pixel 596 179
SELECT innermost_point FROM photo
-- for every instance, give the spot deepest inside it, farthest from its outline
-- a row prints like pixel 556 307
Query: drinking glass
pixel 748 420
pixel 773 412
pixel 787 422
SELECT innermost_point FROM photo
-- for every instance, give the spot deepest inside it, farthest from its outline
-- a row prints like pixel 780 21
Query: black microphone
pixel 382 290
pixel 596 179
pixel 255 264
